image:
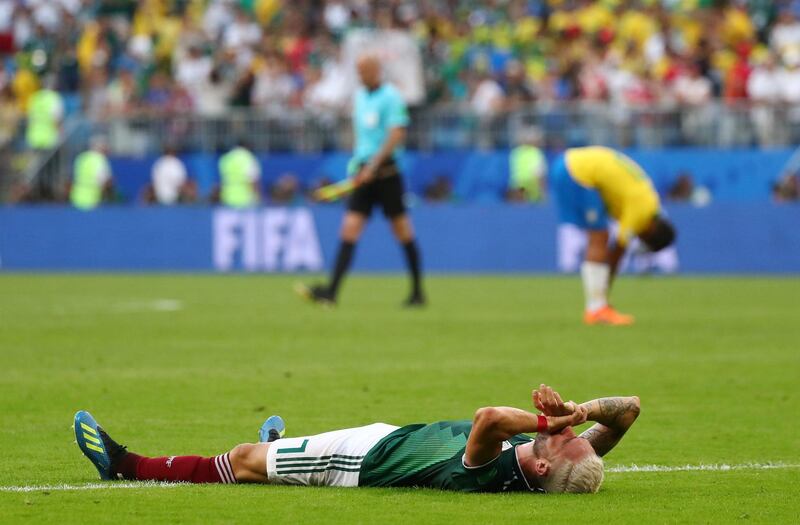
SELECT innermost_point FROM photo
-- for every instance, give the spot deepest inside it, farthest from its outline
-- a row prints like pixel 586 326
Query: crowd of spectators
pixel 176 57
pixel 208 55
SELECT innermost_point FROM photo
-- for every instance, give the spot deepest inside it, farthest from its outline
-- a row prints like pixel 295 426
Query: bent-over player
pixel 589 185
pixel 491 453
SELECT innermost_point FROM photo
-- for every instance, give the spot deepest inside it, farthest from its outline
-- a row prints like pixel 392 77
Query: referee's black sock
pixel 412 258
pixel 343 259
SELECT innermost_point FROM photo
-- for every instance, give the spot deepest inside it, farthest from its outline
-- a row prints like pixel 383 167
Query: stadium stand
pixel 625 73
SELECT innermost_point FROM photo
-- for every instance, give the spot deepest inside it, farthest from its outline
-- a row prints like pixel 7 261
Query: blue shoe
pixel 96 445
pixel 272 430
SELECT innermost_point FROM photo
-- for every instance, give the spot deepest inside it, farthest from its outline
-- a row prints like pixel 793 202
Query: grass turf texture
pixel 192 365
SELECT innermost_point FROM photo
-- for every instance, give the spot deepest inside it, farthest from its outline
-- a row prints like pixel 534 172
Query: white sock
pixel 595 284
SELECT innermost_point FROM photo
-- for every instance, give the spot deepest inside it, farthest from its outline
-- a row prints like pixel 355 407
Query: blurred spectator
pixel 488 101
pixel 785 36
pixel 121 95
pixel 789 82
pixel 273 87
pixel 516 86
pixel 681 191
pixel 528 168
pixel 488 98
pixel 693 92
pixel 217 17
pixel 763 87
pixel 241 33
pixel 286 190
pixel 327 90
pixel 45 111
pixel 439 190
pixel 240 174
pixel 158 93
pixel 10 118
pixel 95 97
pixel 92 180
pixel 170 183
pixel 685 190
pixel 194 71
pixel 122 100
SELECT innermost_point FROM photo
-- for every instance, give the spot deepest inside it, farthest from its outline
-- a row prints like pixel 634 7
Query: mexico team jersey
pixel 624 187
pixel 432 456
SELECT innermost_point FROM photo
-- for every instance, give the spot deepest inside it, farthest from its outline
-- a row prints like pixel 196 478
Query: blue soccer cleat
pixel 96 445
pixel 272 430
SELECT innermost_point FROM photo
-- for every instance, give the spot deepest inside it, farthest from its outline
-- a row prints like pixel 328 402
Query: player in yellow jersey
pixel 590 185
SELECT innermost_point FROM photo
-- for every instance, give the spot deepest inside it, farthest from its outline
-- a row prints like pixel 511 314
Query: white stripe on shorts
pixel 333 458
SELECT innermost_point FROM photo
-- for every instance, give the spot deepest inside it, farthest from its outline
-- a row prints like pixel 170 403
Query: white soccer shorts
pixel 331 459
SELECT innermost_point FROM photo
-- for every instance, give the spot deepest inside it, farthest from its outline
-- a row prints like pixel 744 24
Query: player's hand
pixel 549 402
pixel 556 424
pixel 367 174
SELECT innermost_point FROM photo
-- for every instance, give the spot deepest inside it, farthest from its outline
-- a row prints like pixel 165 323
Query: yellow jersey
pixel 624 187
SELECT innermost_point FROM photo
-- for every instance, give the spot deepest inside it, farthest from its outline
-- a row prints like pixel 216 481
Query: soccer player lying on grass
pixel 589 185
pixel 491 453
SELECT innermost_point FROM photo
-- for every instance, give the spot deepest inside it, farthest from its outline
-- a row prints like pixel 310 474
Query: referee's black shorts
pixel 386 189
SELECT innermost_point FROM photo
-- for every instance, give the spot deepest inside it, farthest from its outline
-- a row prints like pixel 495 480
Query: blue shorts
pixel 576 204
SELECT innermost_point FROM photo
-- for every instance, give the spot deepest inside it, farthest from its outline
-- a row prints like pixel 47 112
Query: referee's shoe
pixel 316 294
pixel 415 300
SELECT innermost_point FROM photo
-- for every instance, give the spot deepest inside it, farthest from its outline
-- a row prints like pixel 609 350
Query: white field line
pixel 154 305
pixel 625 469
pixel 714 467
pixel 109 485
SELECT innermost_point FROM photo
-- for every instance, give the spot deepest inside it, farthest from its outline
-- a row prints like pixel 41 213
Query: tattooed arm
pixel 614 416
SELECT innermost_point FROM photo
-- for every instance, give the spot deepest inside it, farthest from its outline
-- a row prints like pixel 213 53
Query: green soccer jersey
pixel 432 456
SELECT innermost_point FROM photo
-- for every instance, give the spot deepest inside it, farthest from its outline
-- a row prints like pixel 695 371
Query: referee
pixel 380 118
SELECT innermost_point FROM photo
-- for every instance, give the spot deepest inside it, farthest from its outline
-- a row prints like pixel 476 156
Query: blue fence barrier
pixel 722 238
pixel 730 175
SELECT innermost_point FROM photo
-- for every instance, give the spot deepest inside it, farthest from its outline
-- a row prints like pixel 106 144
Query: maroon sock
pixel 192 469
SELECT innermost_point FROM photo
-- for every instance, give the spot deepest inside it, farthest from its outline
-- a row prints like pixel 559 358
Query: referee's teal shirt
pixel 374 114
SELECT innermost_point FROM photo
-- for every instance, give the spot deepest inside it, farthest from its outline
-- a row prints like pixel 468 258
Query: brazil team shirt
pixel 432 456
pixel 374 114
pixel 624 187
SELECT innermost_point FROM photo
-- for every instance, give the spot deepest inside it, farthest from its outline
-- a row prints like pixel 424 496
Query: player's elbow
pixel 487 417
pixel 634 407
pixel 399 135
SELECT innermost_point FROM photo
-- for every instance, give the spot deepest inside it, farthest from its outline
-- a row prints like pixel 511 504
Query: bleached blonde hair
pixel 584 476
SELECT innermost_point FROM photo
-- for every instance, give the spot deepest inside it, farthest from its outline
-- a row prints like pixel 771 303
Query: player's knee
pixel 351 228
pixel 402 229
pixel 245 460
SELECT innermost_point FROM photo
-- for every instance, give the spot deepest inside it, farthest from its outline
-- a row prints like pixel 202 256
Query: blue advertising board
pixel 721 238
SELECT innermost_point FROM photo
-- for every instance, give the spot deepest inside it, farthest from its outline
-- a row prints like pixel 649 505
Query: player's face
pixel 564 445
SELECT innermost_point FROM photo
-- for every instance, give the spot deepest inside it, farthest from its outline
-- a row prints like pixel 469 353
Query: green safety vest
pixel 87 188
pixel 237 188
pixel 525 162
pixel 42 119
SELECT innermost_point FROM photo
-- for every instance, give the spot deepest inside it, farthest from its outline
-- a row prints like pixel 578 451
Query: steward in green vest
pixel 239 173
pixel 45 109
pixel 528 167
pixel 91 178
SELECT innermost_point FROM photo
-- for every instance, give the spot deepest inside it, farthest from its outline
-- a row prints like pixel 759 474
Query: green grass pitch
pixel 193 364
